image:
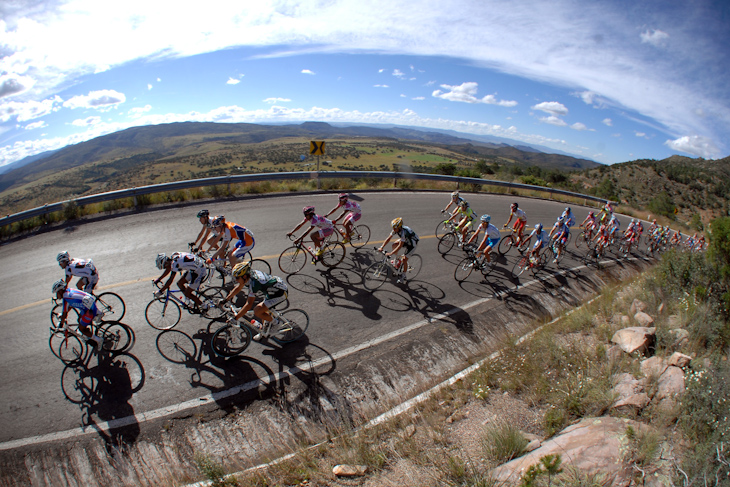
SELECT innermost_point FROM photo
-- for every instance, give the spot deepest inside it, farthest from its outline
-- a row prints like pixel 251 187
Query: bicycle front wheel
pixel 505 244
pixel 520 267
pixel 446 243
pixel 71 350
pixel 56 315
pixel 360 236
pixel 260 265
pixel 464 268
pixel 333 253
pixel 111 305
pixel 442 228
pixel 415 263
pixel 230 340
pixel 294 323
pixel 213 293
pixel 375 275
pixel 117 337
pixel 162 313
pixel 292 260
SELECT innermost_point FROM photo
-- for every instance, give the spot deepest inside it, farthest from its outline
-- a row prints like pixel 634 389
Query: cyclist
pixel 590 223
pixel 614 225
pixel 325 226
pixel 559 233
pixel 630 233
pixel 467 217
pixel 204 217
pixel 490 240
pixel 700 245
pixel 568 217
pixel 407 239
pixel 354 210
pixel 676 238
pixel 228 231
pixel 85 303
pixel 272 287
pixel 602 237
pixel 520 221
pixel 193 271
pixel 653 226
pixel 84 269
pixel 606 212
pixel 541 239
pixel 455 200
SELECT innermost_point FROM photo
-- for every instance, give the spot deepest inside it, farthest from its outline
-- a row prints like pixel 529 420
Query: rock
pixel 625 320
pixel 679 360
pixel 653 367
pixel 532 446
pixel 632 404
pixel 643 319
pixel 681 337
pixel 350 470
pixel 410 430
pixel 637 306
pixel 592 445
pixel 614 353
pixel 634 339
pixel 671 383
pixel 626 385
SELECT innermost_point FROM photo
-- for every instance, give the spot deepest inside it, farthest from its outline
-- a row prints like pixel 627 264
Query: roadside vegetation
pixel 539 385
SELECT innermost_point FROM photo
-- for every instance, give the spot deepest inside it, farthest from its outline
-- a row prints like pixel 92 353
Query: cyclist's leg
pixel 187 291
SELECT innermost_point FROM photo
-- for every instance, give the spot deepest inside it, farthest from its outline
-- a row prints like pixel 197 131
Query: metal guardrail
pixel 249 178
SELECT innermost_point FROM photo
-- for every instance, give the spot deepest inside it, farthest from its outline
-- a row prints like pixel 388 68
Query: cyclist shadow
pixel 103 393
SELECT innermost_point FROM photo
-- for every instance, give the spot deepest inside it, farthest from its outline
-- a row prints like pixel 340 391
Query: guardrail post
pixel 134 198
pixel 229 185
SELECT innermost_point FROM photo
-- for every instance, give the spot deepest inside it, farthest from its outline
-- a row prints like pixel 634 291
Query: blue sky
pixel 610 81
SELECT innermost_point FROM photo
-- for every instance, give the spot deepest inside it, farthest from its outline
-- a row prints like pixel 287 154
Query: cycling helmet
pixel 567 209
pixel 218 221
pixel 161 261
pixel 633 220
pixel 343 197
pixel 560 219
pixel 59 285
pixel 203 213
pixel 455 196
pixel 590 213
pixel 308 210
pixel 486 218
pixel 63 257
pixel 397 223
pixel 242 269
pixel 514 206
pixel 464 204
pixel 538 227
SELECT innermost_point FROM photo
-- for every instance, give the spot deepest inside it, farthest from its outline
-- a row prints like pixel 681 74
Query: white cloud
pixel 607 122
pixel 579 127
pixel 139 111
pixel 24 111
pixel 85 122
pixel 695 145
pixel 233 81
pixel 13 84
pixel 466 93
pixel 418 98
pixel 36 125
pixel 551 107
pixel 149 86
pixel 399 74
pixel 276 100
pixel 101 100
pixel 654 37
pixel 307 71
pixel 553 120
pixel 381 86
pixel 640 134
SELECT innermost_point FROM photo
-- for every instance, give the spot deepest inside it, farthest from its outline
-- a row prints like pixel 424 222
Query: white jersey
pixel 184 261
pixel 81 268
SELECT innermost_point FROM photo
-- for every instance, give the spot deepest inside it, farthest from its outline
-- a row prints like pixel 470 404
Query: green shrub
pixel 503 442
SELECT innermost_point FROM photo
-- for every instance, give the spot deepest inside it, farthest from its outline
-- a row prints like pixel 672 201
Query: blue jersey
pixel 76 298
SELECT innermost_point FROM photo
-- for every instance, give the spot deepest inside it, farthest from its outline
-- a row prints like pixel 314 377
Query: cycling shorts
pixel 410 248
pixel 353 217
pixel 194 278
pixel 88 283
pixel 241 249
pixel 325 232
pixel 537 245
pixel 519 226
pixel 489 242
pixel 275 294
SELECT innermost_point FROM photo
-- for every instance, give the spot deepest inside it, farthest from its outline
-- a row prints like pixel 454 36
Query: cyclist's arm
pixel 215 241
pixel 386 241
pixel 332 211
pixel 397 247
pixel 296 228
pixel 202 236
pixel 246 307
pixel 510 219
pixel 169 281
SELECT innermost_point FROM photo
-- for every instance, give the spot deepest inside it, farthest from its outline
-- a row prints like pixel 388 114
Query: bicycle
pixel 535 264
pixel 506 244
pixel 453 236
pixel 110 306
pixel 70 345
pixel 235 336
pixel 221 269
pixel 558 249
pixel 471 261
pixel 586 236
pixel 360 235
pixel 378 272
pixel 164 312
pixel 294 258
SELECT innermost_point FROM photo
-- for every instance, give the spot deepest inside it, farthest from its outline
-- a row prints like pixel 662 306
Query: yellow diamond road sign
pixel 316 147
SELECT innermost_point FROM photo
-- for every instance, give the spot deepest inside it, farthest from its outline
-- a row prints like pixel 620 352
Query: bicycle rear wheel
pixel 212 294
pixel 111 305
pixel 260 265
pixel 375 275
pixel 446 243
pixel 292 260
pixel 505 244
pixel 333 253
pixel 162 313
pixel 71 350
pixel 520 267
pixel 360 236
pixel 294 323
pixel 117 337
pixel 229 341
pixel 580 240
pixel 524 244
pixel 464 268
pixel 415 263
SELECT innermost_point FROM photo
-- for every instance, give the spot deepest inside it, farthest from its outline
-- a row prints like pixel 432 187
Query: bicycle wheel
pixel 333 253
pixel 260 265
pixel 78 385
pixel 520 267
pixel 464 268
pixel 446 243
pixel 71 350
pixel 117 337
pixel 580 240
pixel 56 338
pixel 56 315
pixel 176 346
pixel 292 260
pixel 111 305
pixel 524 244
pixel 229 341
pixel 294 323
pixel 375 275
pixel 360 236
pixel 488 267
pixel 415 263
pixel 162 313
pixel 505 244
pixel 443 228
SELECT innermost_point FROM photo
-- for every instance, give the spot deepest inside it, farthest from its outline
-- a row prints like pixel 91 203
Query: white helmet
pixel 161 260
pixel 59 285
pixel 63 257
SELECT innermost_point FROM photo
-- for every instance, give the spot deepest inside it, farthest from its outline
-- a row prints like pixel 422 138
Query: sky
pixel 610 80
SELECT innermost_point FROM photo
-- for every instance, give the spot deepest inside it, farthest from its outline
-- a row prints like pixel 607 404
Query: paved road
pixel 343 314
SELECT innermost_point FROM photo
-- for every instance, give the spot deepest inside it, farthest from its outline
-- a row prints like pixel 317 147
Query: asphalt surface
pixel 40 396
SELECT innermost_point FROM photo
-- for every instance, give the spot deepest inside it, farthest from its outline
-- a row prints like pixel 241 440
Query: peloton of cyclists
pixel 193 271
pixel 253 282
pixel 85 303
pixel 407 239
pixel 490 240
pixel 520 221
pixel 353 211
pixel 325 228
pixel 84 269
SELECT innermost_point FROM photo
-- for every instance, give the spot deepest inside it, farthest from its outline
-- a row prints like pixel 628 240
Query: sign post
pixel 316 148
